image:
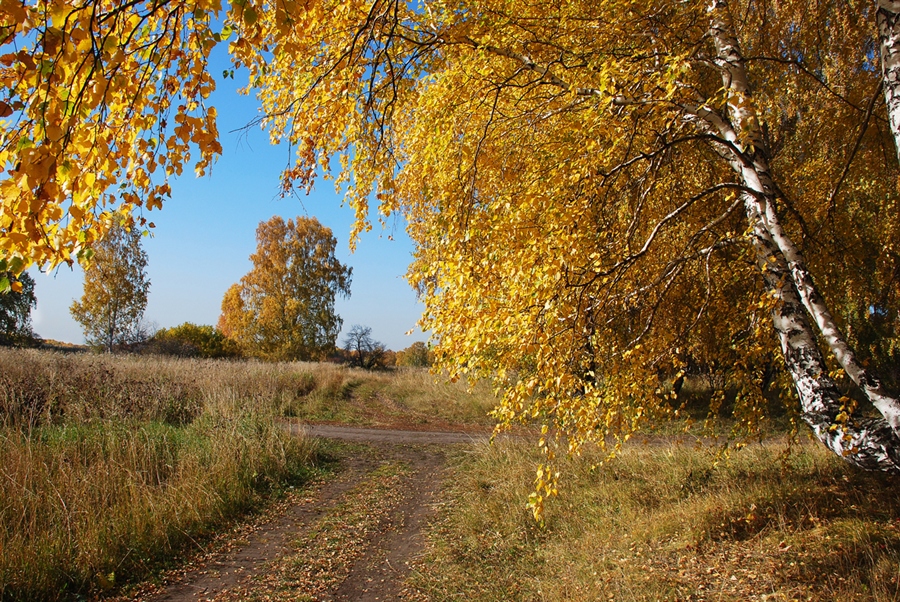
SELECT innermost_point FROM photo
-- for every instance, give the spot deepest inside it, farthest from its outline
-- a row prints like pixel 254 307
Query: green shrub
pixel 417 355
pixel 192 340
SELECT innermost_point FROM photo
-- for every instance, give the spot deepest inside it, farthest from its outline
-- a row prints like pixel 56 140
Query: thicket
pixel 193 340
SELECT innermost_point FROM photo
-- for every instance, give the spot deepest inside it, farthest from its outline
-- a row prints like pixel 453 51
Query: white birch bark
pixel 887 18
pixel 871 444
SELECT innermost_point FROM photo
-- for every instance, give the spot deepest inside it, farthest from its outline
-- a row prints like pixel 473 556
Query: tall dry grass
pixel 666 522
pixel 109 465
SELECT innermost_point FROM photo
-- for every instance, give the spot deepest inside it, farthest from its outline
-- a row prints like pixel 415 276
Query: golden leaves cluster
pixel 100 104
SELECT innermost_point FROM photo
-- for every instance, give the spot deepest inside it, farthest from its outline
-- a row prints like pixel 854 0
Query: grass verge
pixel 110 466
pixel 666 523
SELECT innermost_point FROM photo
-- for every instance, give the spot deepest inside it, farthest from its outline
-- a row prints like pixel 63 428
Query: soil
pixel 252 565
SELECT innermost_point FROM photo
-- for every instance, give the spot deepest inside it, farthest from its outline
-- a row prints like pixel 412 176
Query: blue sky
pixel 205 234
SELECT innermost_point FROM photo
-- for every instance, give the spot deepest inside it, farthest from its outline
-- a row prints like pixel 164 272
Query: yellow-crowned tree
pixel 116 286
pixel 283 309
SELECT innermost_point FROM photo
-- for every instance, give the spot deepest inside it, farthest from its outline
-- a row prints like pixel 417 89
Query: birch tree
pixel 604 195
pixel 116 286
pixel 596 191
pixel 887 18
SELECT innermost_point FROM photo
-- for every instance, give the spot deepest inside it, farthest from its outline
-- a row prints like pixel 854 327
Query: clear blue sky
pixel 205 234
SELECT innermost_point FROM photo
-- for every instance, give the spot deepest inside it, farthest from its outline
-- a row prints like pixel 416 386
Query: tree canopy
pixel 417 355
pixel 362 349
pixel 102 102
pixel 604 195
pixel 283 309
pixel 116 286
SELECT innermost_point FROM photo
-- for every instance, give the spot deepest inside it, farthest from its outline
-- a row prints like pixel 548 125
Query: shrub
pixel 417 355
pixel 192 340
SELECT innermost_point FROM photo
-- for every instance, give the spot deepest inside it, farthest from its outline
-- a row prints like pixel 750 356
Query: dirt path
pixel 349 433
pixel 351 538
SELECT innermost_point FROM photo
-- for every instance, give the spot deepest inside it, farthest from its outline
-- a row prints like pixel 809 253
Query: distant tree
pixel 389 359
pixel 115 291
pixel 363 350
pixel 15 310
pixel 192 340
pixel 283 309
pixel 416 355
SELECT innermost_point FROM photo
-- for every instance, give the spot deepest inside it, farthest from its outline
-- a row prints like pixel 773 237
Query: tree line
pixel 282 310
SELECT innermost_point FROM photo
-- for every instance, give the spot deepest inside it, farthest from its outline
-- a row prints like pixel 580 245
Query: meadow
pixel 664 521
pixel 113 468
pixel 110 466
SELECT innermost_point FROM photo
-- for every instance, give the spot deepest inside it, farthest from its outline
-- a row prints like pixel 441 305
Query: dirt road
pixel 351 537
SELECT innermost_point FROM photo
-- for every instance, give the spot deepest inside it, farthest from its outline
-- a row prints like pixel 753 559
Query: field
pixel 666 522
pixel 109 466
pixel 115 468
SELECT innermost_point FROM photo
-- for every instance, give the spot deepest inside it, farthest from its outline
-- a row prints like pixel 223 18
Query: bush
pixel 417 355
pixel 191 340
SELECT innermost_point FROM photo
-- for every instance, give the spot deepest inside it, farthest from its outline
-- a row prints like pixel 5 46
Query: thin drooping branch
pixel 859 138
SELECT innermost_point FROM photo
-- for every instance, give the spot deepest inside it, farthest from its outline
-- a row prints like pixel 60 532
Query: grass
pixel 112 466
pixel 109 465
pixel 404 397
pixel 666 523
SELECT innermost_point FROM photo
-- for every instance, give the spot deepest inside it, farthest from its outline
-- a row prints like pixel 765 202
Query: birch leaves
pixel 101 103
pixel 605 195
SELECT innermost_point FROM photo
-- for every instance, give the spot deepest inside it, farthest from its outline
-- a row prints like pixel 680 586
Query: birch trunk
pixel 887 18
pixel 872 444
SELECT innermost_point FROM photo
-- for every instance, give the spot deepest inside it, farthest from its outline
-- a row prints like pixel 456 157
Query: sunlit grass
pixel 410 397
pixel 666 522
pixel 110 465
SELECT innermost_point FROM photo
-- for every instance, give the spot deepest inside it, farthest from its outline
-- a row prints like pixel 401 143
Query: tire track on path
pixel 380 565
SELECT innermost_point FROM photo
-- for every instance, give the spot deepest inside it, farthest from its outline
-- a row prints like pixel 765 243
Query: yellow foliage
pixel 283 309
pixel 89 93
pixel 580 239
pixel 579 224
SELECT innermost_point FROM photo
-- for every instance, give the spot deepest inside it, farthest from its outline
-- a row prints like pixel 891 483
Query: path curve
pixel 371 435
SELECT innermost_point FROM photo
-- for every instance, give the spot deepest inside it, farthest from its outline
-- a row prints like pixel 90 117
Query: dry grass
pixel 109 465
pixel 404 397
pixel 667 523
